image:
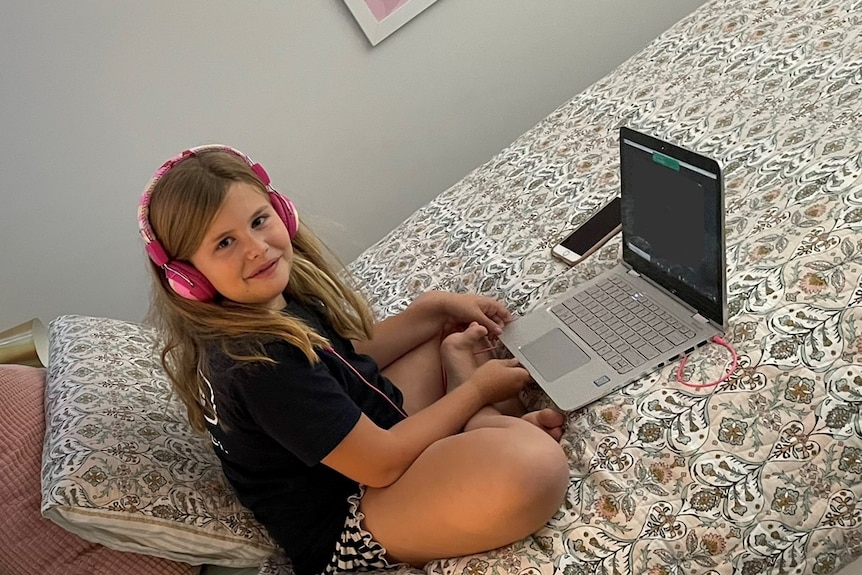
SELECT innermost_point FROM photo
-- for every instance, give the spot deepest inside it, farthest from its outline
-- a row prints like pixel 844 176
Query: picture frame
pixel 380 18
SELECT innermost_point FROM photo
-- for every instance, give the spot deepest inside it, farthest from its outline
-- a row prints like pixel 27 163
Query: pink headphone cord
pixel 720 341
pixel 359 375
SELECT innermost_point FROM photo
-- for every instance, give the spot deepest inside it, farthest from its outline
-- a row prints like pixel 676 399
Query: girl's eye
pixel 224 243
pixel 258 221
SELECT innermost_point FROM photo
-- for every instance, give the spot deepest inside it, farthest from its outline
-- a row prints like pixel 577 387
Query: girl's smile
pixel 266 270
pixel 246 252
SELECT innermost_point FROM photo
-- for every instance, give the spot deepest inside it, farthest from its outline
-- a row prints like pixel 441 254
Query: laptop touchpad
pixel 554 354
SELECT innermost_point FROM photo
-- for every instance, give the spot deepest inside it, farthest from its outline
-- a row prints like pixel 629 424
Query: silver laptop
pixel 666 297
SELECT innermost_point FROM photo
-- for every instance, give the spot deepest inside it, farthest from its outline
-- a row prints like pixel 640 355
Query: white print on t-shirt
pixel 210 406
pixel 218 444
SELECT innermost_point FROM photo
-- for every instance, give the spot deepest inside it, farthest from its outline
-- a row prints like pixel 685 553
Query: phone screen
pixel 593 230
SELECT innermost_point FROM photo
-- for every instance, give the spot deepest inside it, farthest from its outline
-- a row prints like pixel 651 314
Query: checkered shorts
pixel 356 550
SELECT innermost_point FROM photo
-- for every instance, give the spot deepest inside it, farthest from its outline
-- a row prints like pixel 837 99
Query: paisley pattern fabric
pixel 763 473
pixel 120 464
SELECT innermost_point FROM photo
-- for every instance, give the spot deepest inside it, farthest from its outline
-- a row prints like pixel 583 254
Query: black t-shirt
pixel 274 423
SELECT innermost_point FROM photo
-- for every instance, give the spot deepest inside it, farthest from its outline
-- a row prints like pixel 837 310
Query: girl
pixel 358 445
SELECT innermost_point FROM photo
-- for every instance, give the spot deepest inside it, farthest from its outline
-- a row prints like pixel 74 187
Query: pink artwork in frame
pixel 380 18
pixel 383 8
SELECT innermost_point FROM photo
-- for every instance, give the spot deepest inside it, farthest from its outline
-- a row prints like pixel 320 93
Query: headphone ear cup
pixel 286 211
pixel 188 282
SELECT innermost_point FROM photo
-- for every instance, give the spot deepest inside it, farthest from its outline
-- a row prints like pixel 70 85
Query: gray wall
pixel 95 94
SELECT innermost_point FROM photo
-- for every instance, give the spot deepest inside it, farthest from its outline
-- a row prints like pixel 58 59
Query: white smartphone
pixel 590 235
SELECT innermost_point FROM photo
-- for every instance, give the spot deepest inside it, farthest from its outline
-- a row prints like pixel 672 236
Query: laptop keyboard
pixel 621 324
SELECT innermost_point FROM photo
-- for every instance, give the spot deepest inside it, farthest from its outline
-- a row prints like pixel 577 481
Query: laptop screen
pixel 672 205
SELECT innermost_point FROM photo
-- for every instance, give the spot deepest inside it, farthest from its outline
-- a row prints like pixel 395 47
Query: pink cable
pixel 359 375
pixel 492 348
pixel 720 341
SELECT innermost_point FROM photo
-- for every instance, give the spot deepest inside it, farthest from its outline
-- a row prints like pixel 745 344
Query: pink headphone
pixel 183 278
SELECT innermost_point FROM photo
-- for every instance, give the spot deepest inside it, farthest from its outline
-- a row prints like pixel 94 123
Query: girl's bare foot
pixel 549 420
pixel 458 353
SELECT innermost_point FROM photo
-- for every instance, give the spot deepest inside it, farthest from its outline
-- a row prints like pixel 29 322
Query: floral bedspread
pixel 763 473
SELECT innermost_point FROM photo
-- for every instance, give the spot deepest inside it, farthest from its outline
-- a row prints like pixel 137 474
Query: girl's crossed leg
pixel 498 481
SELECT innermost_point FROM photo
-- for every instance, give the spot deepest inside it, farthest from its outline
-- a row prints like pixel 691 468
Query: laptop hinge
pixel 699 318
pixel 633 273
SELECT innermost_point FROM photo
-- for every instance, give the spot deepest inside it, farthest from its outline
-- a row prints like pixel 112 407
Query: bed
pixel 761 474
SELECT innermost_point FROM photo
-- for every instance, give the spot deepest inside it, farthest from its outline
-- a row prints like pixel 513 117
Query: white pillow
pixel 121 466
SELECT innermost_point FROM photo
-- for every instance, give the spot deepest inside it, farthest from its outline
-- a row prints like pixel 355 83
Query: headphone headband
pixel 182 276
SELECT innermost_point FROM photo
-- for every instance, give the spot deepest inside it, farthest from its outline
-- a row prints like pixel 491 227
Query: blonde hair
pixel 183 205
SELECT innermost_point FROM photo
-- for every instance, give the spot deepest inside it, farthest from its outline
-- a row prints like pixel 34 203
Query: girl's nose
pixel 256 247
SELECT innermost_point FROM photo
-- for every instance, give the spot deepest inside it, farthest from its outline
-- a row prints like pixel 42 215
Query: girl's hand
pixel 499 379
pixel 459 310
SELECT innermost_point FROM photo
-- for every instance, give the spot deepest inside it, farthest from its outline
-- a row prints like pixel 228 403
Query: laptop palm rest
pixel 554 354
